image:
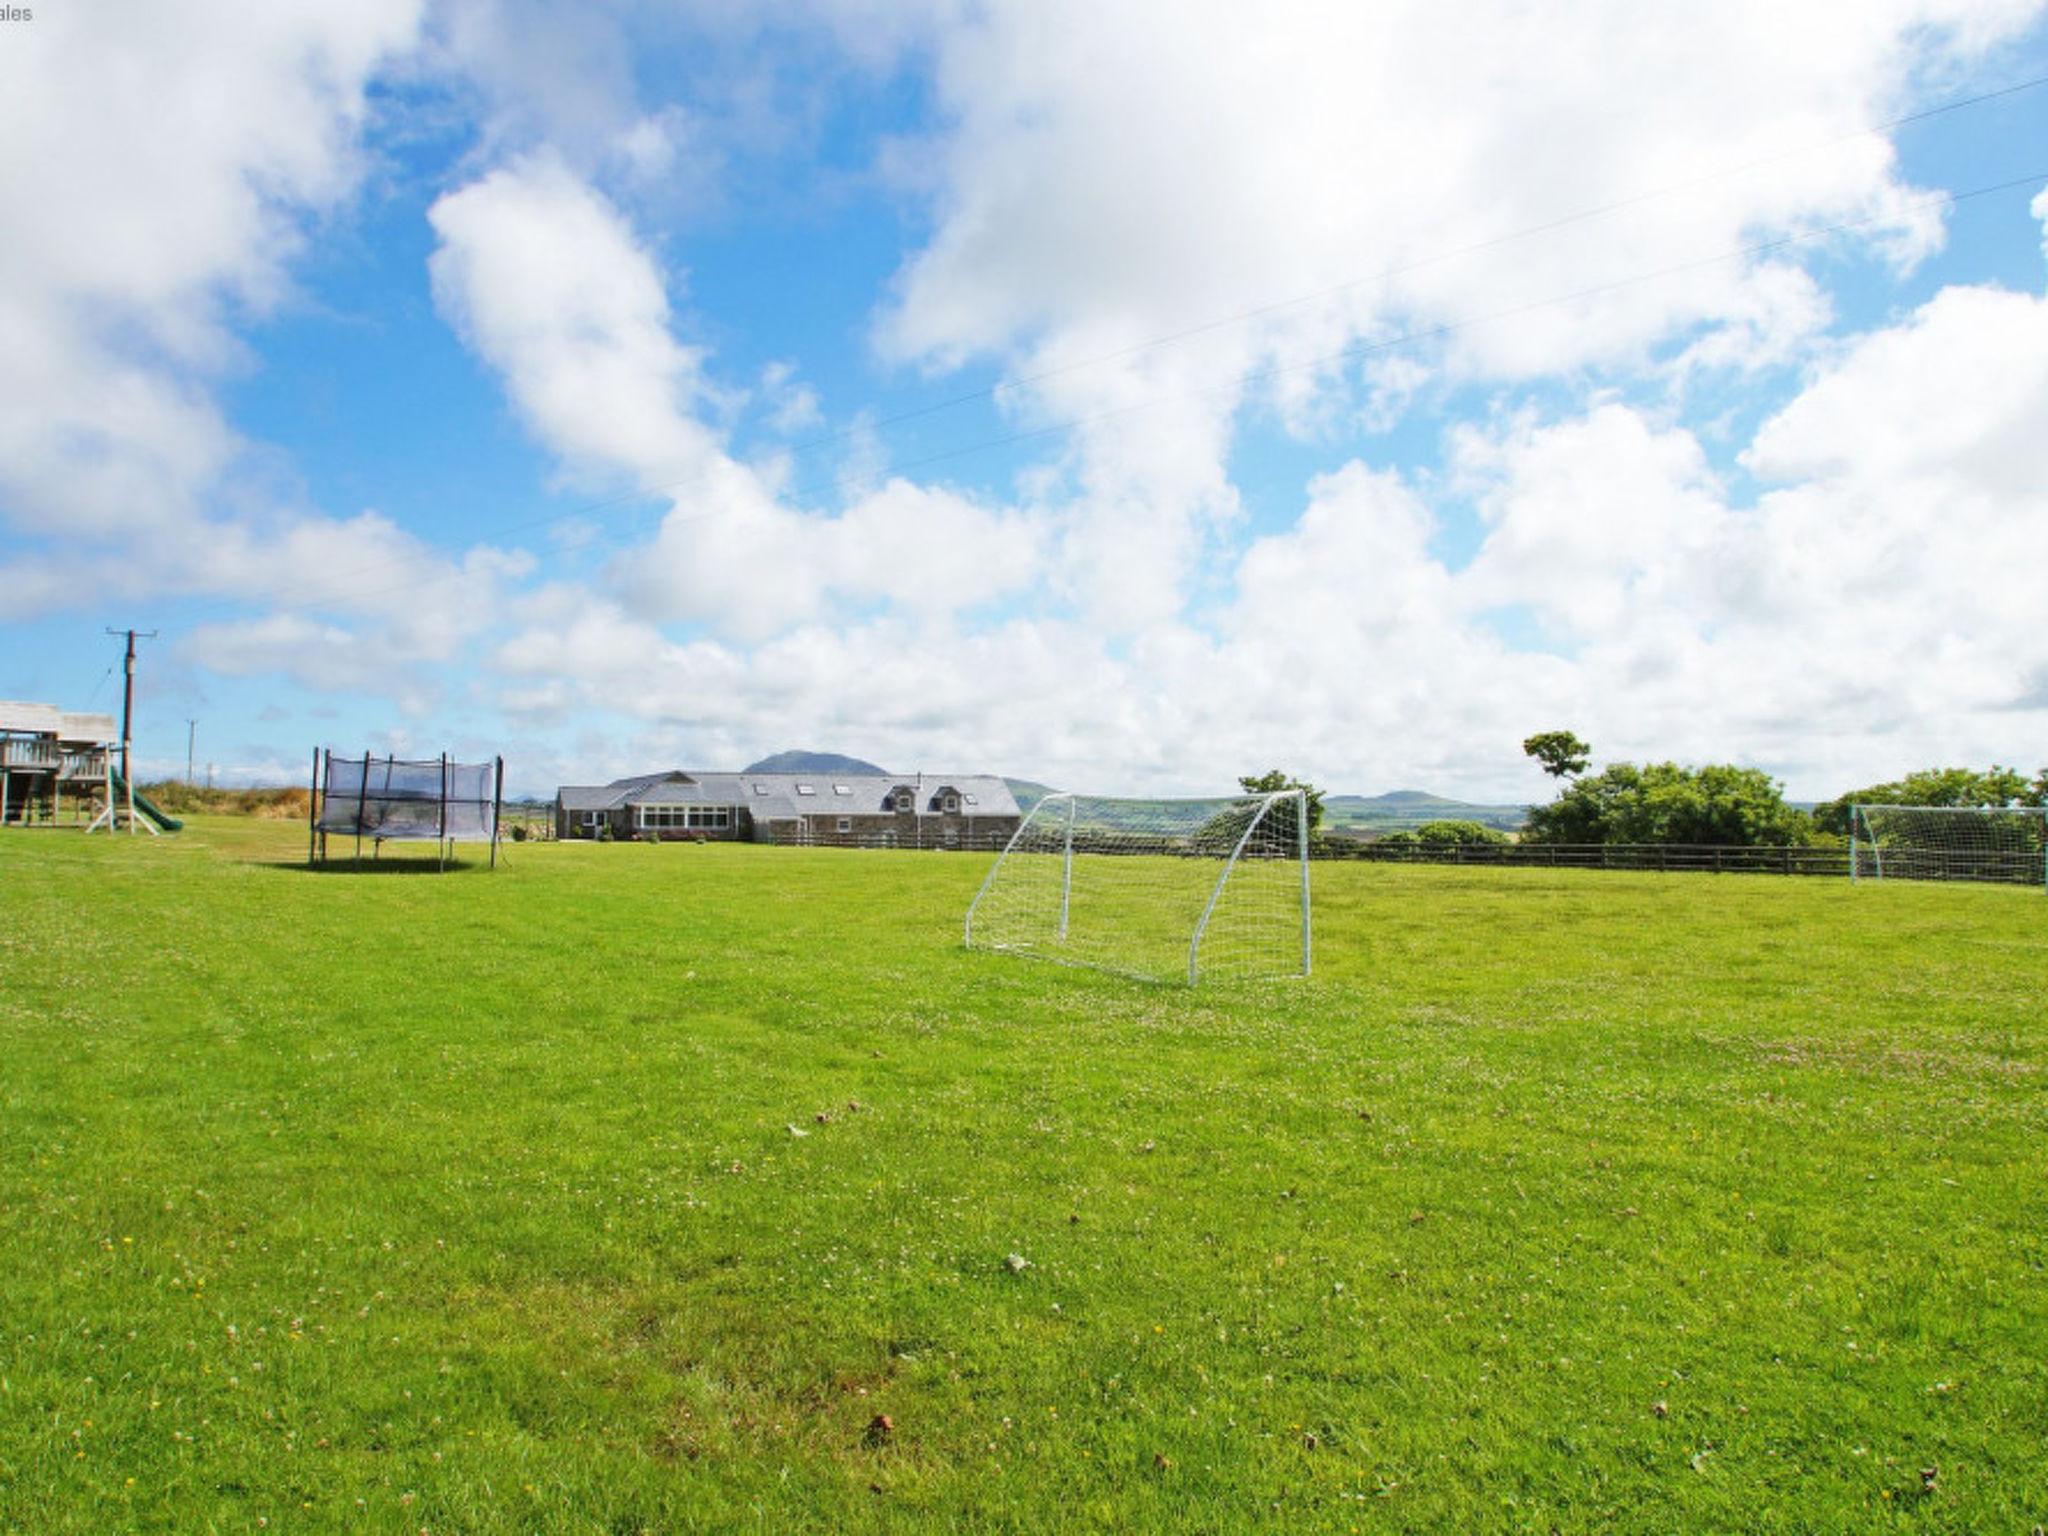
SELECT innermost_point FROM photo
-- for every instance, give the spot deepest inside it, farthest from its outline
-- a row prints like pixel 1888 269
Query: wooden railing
pixel 1707 859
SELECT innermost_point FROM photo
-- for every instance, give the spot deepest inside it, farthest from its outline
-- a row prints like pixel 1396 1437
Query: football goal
pixel 2007 843
pixel 1165 890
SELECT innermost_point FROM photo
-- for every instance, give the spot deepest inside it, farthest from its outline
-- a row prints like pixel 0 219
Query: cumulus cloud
pixel 551 285
pixel 142 219
pixel 1108 175
pixel 145 225
pixel 1856 618
pixel 1837 600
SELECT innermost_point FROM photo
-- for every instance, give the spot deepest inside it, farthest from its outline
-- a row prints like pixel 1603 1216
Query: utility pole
pixel 128 698
pixel 191 733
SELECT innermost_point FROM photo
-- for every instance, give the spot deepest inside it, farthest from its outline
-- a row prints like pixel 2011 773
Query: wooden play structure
pixel 53 760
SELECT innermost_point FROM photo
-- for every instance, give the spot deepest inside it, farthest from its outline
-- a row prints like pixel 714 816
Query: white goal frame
pixel 1047 816
pixel 2020 866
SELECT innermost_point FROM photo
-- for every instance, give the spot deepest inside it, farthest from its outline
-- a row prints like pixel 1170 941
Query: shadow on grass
pixel 385 866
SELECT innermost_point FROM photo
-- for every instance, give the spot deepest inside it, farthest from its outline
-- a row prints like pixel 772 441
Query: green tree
pixel 1282 821
pixel 1273 781
pixel 1560 752
pixel 1937 786
pixel 1718 804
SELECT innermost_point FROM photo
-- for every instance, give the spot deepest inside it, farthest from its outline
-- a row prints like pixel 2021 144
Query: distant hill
pixel 1400 809
pixel 812 762
pixel 1395 811
pixel 1028 792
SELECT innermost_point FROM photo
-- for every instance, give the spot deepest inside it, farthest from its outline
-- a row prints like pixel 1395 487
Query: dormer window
pixel 900 799
pixel 952 803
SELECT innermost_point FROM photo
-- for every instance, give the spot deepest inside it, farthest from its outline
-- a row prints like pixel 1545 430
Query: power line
pixel 1351 353
pixel 646 492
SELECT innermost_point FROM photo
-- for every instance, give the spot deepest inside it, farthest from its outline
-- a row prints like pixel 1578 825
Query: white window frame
pixel 952 805
pixel 683 816
pixel 846 824
pixel 591 818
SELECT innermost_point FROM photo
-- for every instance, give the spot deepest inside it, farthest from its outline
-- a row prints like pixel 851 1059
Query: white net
pixel 1927 842
pixel 391 799
pixel 1167 890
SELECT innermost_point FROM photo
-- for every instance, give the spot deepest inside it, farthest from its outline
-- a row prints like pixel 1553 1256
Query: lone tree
pixel 1561 753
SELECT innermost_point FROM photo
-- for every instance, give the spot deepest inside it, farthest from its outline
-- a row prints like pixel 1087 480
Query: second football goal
pixel 1166 890
pixel 2007 843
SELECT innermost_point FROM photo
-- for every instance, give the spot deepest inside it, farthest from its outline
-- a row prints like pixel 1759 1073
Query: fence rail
pixel 1636 856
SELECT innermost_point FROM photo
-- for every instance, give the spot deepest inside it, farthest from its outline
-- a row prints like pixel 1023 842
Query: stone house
pixel 811 809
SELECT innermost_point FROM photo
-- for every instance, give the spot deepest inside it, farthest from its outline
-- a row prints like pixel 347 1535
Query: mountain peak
pixel 797 761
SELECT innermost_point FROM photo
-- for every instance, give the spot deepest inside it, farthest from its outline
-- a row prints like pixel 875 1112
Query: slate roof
pixel 785 796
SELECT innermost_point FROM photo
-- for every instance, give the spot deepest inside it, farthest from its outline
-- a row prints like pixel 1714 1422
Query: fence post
pixel 1067 870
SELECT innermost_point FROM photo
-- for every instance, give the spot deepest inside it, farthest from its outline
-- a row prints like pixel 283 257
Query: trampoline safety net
pixel 390 799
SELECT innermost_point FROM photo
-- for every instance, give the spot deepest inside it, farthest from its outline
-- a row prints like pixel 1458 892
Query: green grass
pixel 1555 1200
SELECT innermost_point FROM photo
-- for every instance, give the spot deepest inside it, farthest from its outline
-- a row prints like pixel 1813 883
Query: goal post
pixel 2006 844
pixel 1165 890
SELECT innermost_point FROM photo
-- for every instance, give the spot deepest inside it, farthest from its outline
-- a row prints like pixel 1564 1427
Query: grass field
pixel 539 1201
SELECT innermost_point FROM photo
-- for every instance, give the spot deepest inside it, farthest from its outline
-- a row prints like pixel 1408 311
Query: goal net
pixel 1935 842
pixel 1165 890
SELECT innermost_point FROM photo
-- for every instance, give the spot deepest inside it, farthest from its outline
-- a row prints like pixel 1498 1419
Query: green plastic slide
pixel 163 819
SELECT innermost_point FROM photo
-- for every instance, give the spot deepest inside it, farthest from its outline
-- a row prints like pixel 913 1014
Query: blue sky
pixel 1119 397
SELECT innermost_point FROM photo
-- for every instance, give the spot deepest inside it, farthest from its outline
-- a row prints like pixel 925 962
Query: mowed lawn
pixel 623 1188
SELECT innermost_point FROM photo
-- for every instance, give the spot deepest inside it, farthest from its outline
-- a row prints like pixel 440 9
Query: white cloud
pixel 1862 618
pixel 544 279
pixel 1112 174
pixel 163 171
pixel 552 286
pixel 159 165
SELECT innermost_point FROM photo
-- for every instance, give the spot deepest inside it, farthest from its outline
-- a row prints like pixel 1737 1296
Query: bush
pixel 1453 834
pixel 178 798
